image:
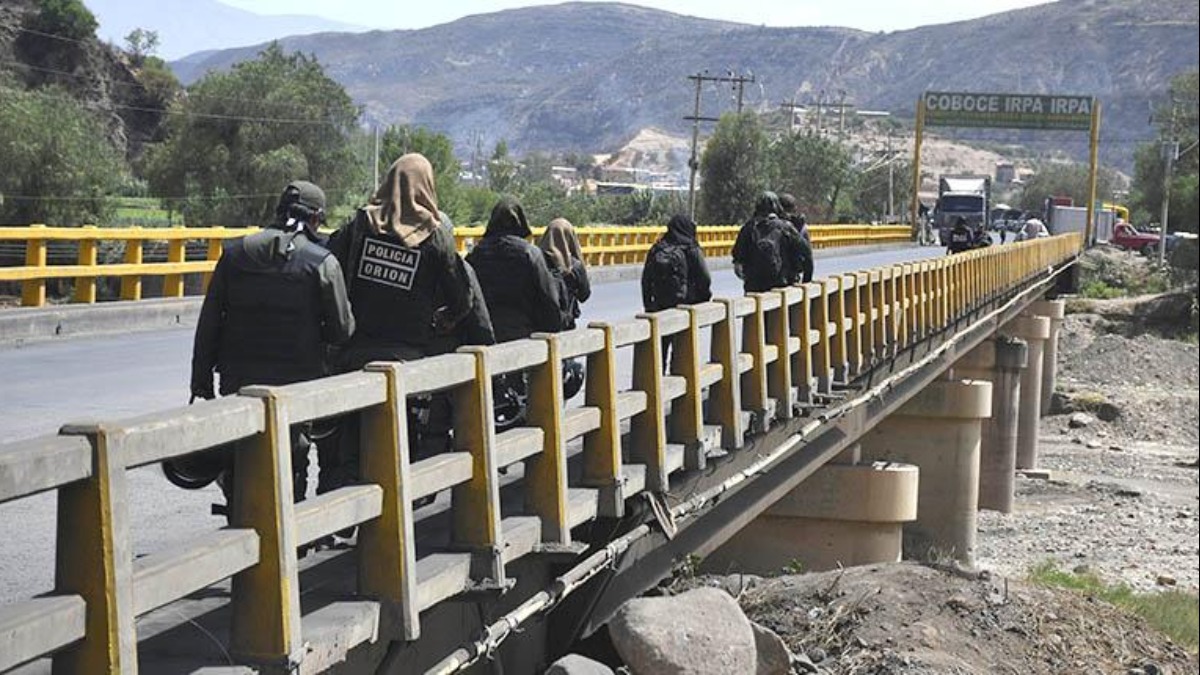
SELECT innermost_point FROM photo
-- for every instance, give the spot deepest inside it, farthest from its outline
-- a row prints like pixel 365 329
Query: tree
pixel 871 189
pixel 501 168
pixel 1065 179
pixel 64 18
pixel 735 166
pixel 59 165
pixel 140 43
pixel 815 170
pixel 1177 121
pixel 238 136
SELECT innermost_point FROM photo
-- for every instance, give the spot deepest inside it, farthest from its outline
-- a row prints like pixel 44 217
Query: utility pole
pixel 841 116
pixel 791 106
pixel 820 108
pixel 695 118
pixel 1170 150
pixel 375 157
pixel 891 179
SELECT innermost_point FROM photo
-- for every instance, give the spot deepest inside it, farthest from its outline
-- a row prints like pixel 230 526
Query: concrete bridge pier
pixel 1056 311
pixel 938 430
pixel 999 361
pixel 847 513
pixel 1034 330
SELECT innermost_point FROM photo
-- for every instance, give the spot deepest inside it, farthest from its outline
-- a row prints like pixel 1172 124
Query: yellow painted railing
pixel 791 344
pixel 601 246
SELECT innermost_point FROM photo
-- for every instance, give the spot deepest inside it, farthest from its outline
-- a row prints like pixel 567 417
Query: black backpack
pixel 668 280
pixel 765 259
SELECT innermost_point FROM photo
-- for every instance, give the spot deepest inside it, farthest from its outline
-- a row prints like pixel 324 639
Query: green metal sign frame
pixel 1011 111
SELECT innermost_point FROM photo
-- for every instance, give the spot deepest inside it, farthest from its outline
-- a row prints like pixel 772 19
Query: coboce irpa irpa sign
pixel 1013 111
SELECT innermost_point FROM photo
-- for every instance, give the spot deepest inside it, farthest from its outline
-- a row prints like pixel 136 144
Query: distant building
pixel 1005 172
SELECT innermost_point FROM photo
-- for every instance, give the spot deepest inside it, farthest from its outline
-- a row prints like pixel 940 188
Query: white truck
pixel 964 196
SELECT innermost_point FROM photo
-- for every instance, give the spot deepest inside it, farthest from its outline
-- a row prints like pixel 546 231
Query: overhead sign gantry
pixel 1010 111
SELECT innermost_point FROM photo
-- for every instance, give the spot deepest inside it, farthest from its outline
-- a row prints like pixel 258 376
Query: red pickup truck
pixel 1129 238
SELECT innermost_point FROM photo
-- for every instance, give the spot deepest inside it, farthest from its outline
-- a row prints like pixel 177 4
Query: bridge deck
pixel 310 611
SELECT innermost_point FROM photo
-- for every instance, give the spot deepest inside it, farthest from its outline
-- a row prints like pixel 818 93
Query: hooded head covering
pixel 768 203
pixel 406 201
pixel 787 202
pixel 507 218
pixel 681 230
pixel 561 244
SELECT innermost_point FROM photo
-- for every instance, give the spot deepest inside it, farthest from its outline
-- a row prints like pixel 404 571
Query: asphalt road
pixel 45 385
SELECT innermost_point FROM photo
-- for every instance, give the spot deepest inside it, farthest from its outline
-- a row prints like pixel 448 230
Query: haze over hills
pixel 188 26
pixel 588 76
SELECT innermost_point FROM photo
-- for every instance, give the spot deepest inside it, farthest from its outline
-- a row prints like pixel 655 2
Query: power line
pixel 188 113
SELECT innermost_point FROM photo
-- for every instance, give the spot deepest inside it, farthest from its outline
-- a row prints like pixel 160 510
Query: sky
pixel 869 15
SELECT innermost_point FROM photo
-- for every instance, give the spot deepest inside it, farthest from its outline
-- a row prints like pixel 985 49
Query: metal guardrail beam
pixel 601 246
pixel 797 339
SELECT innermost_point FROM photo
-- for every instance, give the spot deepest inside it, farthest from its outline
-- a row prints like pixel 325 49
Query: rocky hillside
pixel 87 70
pixel 588 76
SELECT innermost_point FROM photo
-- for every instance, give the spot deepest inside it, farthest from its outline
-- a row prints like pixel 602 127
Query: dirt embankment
pixel 1122 504
pixel 912 619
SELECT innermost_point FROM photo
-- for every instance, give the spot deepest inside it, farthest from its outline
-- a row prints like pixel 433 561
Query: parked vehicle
pixel 1128 237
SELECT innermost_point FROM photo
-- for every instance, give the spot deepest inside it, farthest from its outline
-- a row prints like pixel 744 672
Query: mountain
pixel 189 26
pixel 588 76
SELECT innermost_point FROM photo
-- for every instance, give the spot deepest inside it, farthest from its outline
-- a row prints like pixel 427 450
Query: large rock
pixel 574 664
pixel 702 631
pixel 773 655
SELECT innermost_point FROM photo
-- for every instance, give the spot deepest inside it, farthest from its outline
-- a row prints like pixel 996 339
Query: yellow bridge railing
pixel 601 246
pixel 789 345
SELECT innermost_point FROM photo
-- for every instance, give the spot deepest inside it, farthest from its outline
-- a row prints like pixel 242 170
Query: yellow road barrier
pixel 601 246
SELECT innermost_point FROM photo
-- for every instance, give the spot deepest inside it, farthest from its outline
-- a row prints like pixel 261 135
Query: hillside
pixel 90 71
pixel 588 76
pixel 181 24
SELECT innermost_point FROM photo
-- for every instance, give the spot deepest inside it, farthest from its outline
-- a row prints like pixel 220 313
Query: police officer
pixel 960 238
pixel 276 300
pixel 410 289
pixel 769 252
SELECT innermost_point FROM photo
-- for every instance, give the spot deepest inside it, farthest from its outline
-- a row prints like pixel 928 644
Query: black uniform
pixel 675 272
pixel 521 293
pixel 275 301
pixel 399 290
pixel 960 238
pixel 769 252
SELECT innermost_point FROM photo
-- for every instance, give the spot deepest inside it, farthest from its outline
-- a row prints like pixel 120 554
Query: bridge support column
pixel 999 361
pixel 1034 330
pixel 1055 310
pixel 939 431
pixel 845 514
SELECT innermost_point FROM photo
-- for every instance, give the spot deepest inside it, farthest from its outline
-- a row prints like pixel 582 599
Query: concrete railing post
pixel 999 361
pixel 1055 310
pixel 939 431
pixel 1034 330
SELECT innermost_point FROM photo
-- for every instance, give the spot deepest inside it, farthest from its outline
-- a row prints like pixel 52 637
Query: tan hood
pixel 406 201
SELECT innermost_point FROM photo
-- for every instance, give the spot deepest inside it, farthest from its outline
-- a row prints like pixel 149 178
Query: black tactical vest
pixel 271 333
pixel 393 288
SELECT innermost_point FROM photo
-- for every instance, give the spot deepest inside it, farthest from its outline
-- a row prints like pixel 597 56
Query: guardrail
pixel 601 246
pixel 769 351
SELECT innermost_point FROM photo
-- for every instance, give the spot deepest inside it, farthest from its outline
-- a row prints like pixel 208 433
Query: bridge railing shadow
pixel 771 356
